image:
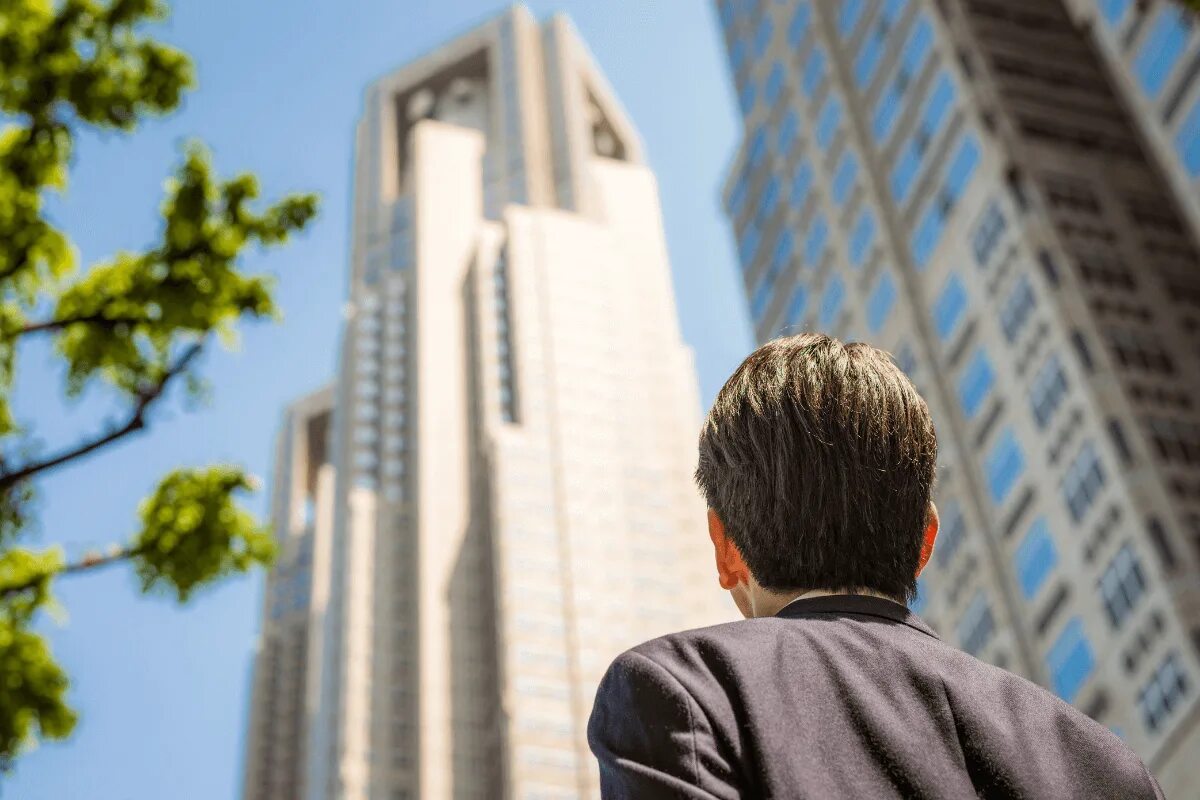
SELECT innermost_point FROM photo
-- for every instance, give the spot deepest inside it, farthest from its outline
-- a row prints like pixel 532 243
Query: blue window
pixel 827 123
pixel 917 47
pixel 938 106
pixel 747 97
pixel 814 245
pixel 891 11
pixel 783 252
pixel 797 304
pixel 758 147
pixel 748 246
pixel 886 112
pixel 949 307
pixel 1113 11
pixel 770 199
pixel 976 383
pixel 962 167
pixel 905 171
pixel 787 131
pixel 728 13
pixel 1016 308
pixel 977 625
pixel 814 72
pixel 1187 142
pixel 737 54
pixel 774 84
pixel 917 606
pixel 1070 661
pixel 1003 465
pixel 1083 481
pixel 868 59
pixel 762 37
pixel 1035 558
pixel 762 295
pixel 927 235
pixel 881 301
pixel 862 237
pixel 831 301
pixel 1162 47
pixel 801 184
pixel 737 198
pixel 951 535
pixel 851 13
pixel 798 28
pixel 844 177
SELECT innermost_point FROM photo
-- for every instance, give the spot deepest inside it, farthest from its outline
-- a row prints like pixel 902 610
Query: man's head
pixel 817 462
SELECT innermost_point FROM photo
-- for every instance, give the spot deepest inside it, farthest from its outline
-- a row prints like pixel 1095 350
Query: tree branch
pixel 89 562
pixel 136 421
pixel 58 324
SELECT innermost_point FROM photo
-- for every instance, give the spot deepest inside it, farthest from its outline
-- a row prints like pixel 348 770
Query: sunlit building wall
pixel 962 183
pixel 514 432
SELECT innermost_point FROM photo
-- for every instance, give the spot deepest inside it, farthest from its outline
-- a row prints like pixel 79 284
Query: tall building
pixel 964 183
pixel 1152 51
pixel 505 488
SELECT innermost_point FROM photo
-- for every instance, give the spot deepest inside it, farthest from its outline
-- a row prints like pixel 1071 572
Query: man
pixel 817 462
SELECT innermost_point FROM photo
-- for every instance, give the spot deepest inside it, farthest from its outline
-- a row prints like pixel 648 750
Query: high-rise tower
pixel 514 431
pixel 963 183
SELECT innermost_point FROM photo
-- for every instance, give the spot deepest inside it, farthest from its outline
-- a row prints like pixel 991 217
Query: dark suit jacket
pixel 844 696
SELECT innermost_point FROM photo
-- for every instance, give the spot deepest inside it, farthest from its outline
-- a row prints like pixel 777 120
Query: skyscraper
pixel 963 183
pixel 496 497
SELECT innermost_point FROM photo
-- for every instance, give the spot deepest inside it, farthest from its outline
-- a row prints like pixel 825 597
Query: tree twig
pixel 136 421
pixel 58 324
pixel 89 562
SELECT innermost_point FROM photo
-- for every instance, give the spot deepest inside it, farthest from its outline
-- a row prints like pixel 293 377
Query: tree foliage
pixel 133 325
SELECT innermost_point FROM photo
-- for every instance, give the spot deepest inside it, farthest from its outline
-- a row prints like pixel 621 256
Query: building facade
pixel 513 432
pixel 965 184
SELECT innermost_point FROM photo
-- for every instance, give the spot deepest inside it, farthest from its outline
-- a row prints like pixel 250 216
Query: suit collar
pixel 856 605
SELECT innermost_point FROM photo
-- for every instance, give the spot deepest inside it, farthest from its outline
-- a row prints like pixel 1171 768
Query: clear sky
pixel 162 690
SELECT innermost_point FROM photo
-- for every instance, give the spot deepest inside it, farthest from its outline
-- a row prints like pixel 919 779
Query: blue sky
pixel 162 690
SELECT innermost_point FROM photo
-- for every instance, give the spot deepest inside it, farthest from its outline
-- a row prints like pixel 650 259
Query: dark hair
pixel 819 459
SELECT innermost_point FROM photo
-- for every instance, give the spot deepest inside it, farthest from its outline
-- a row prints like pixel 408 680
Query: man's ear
pixel 731 569
pixel 931 532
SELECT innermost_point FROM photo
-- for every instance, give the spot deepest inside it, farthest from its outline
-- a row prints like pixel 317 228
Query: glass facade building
pixel 974 190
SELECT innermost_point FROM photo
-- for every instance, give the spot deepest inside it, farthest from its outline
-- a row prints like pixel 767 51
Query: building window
pixel 762 37
pixel 774 84
pixel 962 167
pixel 1161 49
pixel 951 535
pixel 868 58
pixel 1070 661
pixel 1016 308
pixel 798 27
pixel 748 245
pixel 1113 11
pixel 1158 538
pixel 769 200
pixel 949 307
pixel 814 72
pixel 780 259
pixel 802 183
pixel 828 121
pixel 797 304
pixel 1083 481
pixel 1047 391
pixel 1141 350
pixel 850 15
pixel 737 198
pixel 787 132
pixel 1003 465
pixel 1163 694
pixel 987 234
pixel 1187 141
pixel 758 147
pixel 926 236
pixel 975 384
pixel 912 57
pixel 814 245
pixel 977 625
pixel 831 302
pixel 881 301
pixel 844 177
pixel 862 236
pixel 747 96
pixel 1035 558
pixel 936 109
pixel 1175 440
pixel 1122 585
